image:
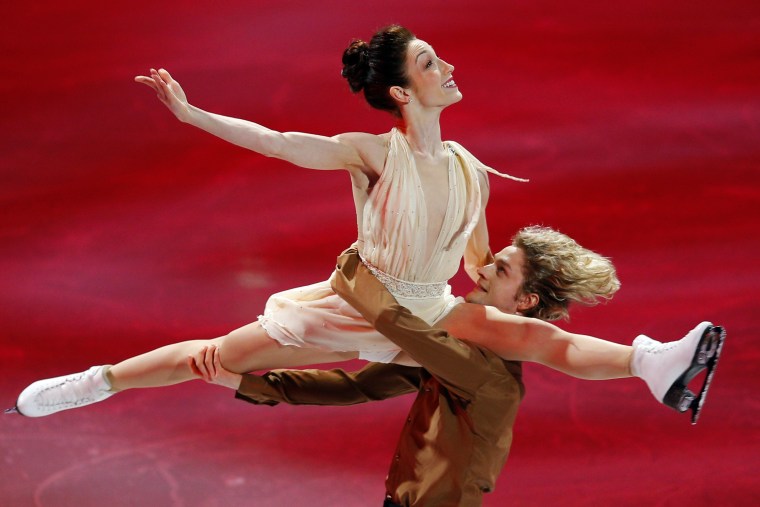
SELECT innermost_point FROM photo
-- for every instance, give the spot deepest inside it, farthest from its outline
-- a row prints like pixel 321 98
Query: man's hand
pixel 207 365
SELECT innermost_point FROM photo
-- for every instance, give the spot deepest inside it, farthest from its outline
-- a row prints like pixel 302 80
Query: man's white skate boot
pixel 667 368
pixel 52 395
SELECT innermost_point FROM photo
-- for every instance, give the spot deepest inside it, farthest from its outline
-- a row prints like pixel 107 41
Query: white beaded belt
pixel 404 289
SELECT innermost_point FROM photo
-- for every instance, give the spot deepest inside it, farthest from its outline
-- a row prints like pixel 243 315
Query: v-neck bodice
pixel 396 235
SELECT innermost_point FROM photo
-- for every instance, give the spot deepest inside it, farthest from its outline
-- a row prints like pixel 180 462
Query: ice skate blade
pixel 712 364
pixel 12 410
pixel 706 356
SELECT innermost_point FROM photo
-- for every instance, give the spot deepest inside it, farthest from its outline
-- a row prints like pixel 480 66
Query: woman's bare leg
pixel 246 349
pixel 243 350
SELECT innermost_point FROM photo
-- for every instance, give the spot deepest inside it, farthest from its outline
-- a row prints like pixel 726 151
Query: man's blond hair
pixel 561 272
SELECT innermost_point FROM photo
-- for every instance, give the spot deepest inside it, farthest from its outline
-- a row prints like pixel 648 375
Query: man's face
pixel 499 283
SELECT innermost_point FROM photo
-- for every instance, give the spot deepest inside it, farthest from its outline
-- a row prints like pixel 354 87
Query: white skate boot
pixel 667 368
pixel 52 395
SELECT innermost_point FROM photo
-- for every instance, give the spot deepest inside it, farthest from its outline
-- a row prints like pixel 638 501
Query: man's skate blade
pixel 12 410
pixel 699 402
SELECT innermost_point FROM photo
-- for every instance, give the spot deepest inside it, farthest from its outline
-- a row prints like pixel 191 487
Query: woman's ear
pixel 400 95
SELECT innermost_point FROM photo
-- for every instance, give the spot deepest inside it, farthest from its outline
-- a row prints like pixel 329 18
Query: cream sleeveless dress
pixel 414 269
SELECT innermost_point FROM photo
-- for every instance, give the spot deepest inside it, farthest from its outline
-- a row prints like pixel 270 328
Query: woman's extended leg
pixel 243 350
pixel 246 349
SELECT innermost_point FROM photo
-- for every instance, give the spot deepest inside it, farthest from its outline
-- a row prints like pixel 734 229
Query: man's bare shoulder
pixel 469 309
pixel 463 316
pixel 469 318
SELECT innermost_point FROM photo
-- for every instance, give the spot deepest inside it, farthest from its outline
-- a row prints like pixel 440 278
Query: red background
pixel 121 230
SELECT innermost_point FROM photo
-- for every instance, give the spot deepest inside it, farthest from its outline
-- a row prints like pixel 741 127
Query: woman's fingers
pixel 156 82
pixel 165 75
pixel 168 91
pixel 147 81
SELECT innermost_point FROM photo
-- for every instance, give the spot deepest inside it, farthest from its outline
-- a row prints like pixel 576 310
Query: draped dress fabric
pixel 395 241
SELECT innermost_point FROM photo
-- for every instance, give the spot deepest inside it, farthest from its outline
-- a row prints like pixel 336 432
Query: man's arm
pixel 461 367
pixel 489 333
pixel 374 382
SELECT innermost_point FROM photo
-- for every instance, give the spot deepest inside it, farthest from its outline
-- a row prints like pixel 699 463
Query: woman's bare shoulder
pixel 364 139
pixel 372 148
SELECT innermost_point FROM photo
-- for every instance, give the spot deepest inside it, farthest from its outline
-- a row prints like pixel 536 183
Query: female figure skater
pixel 420 208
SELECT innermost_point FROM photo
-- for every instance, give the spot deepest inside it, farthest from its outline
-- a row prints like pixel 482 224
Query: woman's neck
pixel 423 135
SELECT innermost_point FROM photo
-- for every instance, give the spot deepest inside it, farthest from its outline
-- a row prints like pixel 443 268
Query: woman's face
pixel 429 76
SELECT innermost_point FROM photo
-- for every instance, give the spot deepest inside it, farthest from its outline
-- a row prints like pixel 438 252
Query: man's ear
pixel 527 301
pixel 399 94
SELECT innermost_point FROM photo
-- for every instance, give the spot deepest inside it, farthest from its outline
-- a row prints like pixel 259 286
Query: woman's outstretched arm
pixel 354 151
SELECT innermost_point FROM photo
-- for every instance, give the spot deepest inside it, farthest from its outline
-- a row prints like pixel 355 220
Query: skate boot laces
pixel 52 395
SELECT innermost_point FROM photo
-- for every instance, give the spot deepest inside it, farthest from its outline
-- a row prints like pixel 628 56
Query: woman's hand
pixel 168 91
pixel 206 364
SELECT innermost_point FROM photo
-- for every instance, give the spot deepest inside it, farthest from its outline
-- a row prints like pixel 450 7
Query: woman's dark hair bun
pixel 374 67
pixel 356 64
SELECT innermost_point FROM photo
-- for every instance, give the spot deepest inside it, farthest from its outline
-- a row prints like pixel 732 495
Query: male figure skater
pixel 458 433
